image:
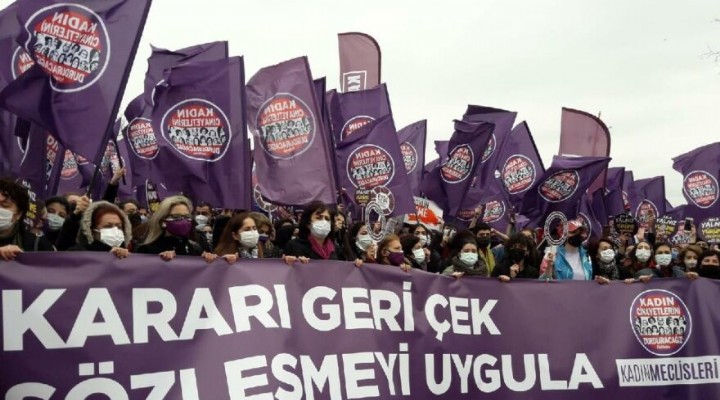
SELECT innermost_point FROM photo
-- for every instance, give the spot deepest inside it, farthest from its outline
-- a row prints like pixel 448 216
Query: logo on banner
pixel 661 321
pixel 489 150
pixel 494 211
pixel 369 166
pixel 384 198
pixel 21 62
pixel 285 126
pixel 142 138
pixel 353 124
pixel 465 214
pixel 458 165
pixel 354 81
pixel 197 129
pixel 261 202
pixel 409 155
pixel 518 174
pixel 70 166
pixel 560 186
pixel 556 228
pixel 665 226
pixel 71 44
pixel 110 161
pixel 710 229
pixel 646 211
pixel 702 188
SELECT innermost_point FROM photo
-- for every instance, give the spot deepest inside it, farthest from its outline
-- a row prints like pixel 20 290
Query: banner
pixel 701 170
pixel 359 61
pixel 614 198
pixel 647 197
pixel 426 213
pixel 293 153
pixel 583 134
pixel 520 164
pixel 83 56
pixel 86 325
pixel 351 111
pixel 200 113
pixel 412 140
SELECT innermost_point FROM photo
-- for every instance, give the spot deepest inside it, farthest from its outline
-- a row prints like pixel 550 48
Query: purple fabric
pixel 293 153
pixel 701 171
pixel 647 197
pixel 359 61
pixel 583 134
pixel 239 321
pixel 370 165
pixel 76 100
pixel 614 204
pixel 199 112
pixel 412 140
pixel 350 111
pixel 590 219
pixel 519 163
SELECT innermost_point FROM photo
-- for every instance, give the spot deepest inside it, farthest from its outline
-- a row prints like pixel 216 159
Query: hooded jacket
pixel 85 239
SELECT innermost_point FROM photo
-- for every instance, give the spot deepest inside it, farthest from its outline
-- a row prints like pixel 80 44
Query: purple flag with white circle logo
pixel 199 117
pixel 614 203
pixel 412 140
pixel 292 153
pixel 647 198
pixel 350 111
pixel 701 169
pixel 519 165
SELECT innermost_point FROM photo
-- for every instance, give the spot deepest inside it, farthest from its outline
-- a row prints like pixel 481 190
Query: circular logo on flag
pixel 459 164
pixel 142 138
pixel 556 228
pixel 197 129
pixel 70 166
pixel 369 166
pixel 710 229
pixel 384 198
pixel 466 214
pixel 285 126
pixel 489 150
pixel 560 186
pixel 354 124
pixel 21 62
pixel 646 211
pixel 702 188
pixel 409 155
pixel 661 321
pixel 494 211
pixel 71 44
pixel 261 202
pixel 518 174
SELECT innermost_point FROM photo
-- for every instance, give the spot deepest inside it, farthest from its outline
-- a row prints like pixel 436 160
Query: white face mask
pixel 201 222
pixel 690 264
pixel 607 256
pixel 423 240
pixel 320 229
pixel 419 255
pixel 663 260
pixel 5 219
pixel 55 222
pixel 469 258
pixel 113 237
pixel 363 241
pixel 642 255
pixel 249 239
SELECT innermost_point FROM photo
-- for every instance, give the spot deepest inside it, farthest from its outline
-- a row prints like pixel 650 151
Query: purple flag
pixel 412 140
pixel 647 197
pixel 628 180
pixel 448 183
pixel 442 147
pixel 520 165
pixel 75 87
pixel 75 173
pixel 350 111
pixel 199 110
pixel 614 203
pixel 359 61
pixel 33 168
pixel 372 171
pixel 292 150
pixel 591 220
pixel 700 169
pixel 583 134
pixel 562 187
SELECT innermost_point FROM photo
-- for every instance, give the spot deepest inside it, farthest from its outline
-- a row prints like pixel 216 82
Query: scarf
pixel 323 250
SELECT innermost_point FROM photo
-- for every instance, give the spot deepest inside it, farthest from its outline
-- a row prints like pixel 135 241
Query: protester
pixel 483 234
pixel 687 262
pixel 104 228
pixel 359 244
pixel 266 236
pixel 315 239
pixel 709 264
pixel 58 209
pixel 169 231
pixel 517 262
pixel 464 258
pixel 663 260
pixel 413 250
pixel 604 255
pixel 240 239
pixel 569 261
pixel 14 237
pixel 390 252
pixel 639 264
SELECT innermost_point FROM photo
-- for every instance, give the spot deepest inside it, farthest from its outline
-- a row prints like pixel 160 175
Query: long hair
pixel 227 243
pixel 383 246
pixel 312 208
pixel 155 228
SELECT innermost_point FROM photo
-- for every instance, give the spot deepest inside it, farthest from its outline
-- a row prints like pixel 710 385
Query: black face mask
pixel 575 241
pixel 483 242
pixel 516 255
pixel 709 271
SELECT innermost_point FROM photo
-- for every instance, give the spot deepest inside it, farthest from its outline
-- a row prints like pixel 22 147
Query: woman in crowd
pixel 315 239
pixel 240 239
pixel 464 259
pixel 663 260
pixel 687 262
pixel 569 261
pixel 104 228
pixel 169 230
pixel 517 262
pixel 14 236
pixel 604 255
pixel 414 252
pixel 58 209
pixel 709 265
pixel 359 245
pixel 390 252
pixel 638 266
pixel 266 236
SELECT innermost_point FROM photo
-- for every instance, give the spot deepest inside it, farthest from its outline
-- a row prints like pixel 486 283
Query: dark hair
pixel 519 238
pixel 413 228
pixel 408 241
pixel 16 193
pixel 482 226
pixel 280 222
pixel 594 246
pixel 227 244
pixel 203 204
pixel 60 200
pixel 283 236
pixel 661 244
pixel 632 261
pixel 695 249
pixel 312 208
pixel 706 254
pixel 460 240
pixel 128 201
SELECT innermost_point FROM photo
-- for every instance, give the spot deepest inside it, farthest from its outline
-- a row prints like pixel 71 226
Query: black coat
pixel 181 246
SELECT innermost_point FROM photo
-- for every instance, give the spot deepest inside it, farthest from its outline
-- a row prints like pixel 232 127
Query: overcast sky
pixel 638 62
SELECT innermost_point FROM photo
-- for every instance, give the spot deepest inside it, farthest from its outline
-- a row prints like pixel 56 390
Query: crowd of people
pixel 322 232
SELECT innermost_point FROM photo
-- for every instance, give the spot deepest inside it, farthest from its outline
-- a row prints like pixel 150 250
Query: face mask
pixel 201 222
pixel 642 255
pixel 363 241
pixel 396 258
pixel 113 237
pixel 249 239
pixel 419 255
pixel 5 219
pixel 263 238
pixel 179 228
pixel 320 229
pixel 516 255
pixel 293 237
pixel 575 241
pixel 55 222
pixel 675 253
pixel 607 256
pixel 423 240
pixel 663 260
pixel 483 242
pixel 469 258
pixel 209 237
pixel 690 264
pixel 143 218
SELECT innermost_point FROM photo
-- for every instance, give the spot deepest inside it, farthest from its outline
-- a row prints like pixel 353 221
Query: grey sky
pixel 639 62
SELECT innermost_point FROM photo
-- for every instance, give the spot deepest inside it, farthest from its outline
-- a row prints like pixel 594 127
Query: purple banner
pixel 583 134
pixel 519 163
pixel 647 197
pixel 412 140
pixel 350 111
pixel 359 61
pixel 701 171
pixel 86 325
